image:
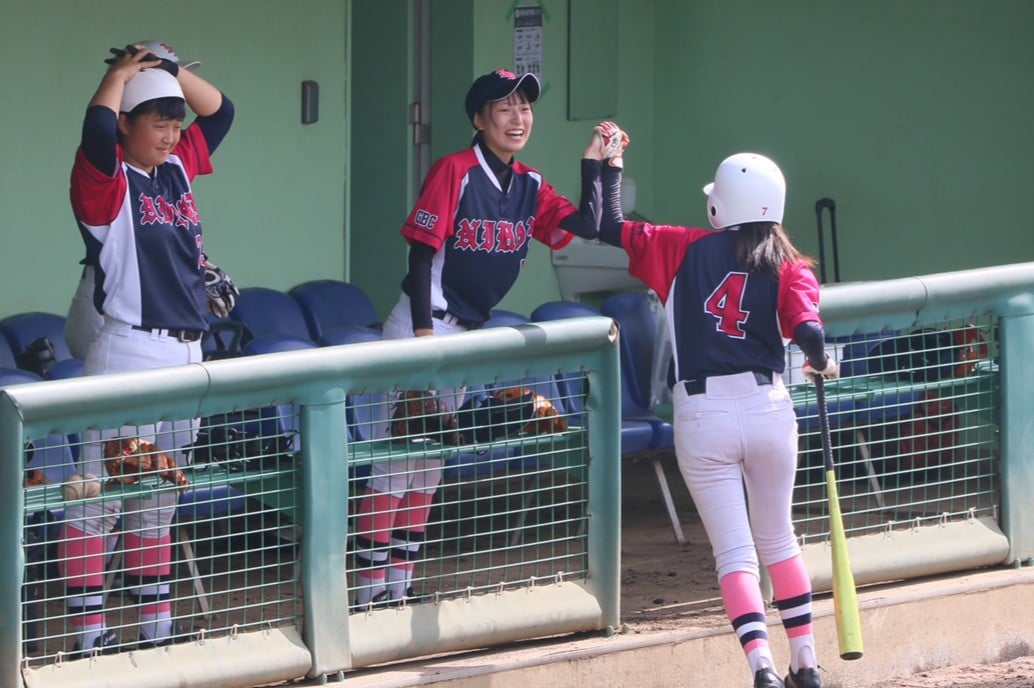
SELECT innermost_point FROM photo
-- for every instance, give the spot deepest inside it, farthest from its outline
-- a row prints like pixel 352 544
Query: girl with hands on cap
pixel 132 197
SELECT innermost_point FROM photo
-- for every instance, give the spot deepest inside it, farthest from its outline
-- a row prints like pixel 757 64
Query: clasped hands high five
pixel 608 143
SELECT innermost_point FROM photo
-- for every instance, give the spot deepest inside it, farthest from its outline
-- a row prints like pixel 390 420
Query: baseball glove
pixel 222 293
pixel 128 459
pixel 420 413
pixel 544 416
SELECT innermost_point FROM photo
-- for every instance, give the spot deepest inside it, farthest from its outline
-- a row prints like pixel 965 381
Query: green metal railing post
pixel 604 508
pixel 325 525
pixel 1017 434
pixel 12 515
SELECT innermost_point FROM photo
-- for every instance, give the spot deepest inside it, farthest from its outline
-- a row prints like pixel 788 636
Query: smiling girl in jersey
pixel 468 236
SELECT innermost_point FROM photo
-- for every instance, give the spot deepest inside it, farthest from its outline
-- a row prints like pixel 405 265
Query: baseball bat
pixel 845 595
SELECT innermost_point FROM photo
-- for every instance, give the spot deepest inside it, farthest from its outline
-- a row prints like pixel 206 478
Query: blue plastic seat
pixel 350 335
pixel 270 313
pixel 560 310
pixel 368 415
pixel 21 329
pixel 331 305
pixel 207 501
pixel 504 318
pixel 69 367
pixel 17 376
pixel 7 359
pixel 52 455
pixel 276 344
pixel 632 311
pixel 637 346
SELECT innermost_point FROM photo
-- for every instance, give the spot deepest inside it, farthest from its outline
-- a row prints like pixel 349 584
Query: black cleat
pixel 177 637
pixel 381 599
pixel 106 644
pixel 766 678
pixel 805 677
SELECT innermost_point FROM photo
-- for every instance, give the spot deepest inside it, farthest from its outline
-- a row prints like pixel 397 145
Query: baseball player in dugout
pixel 733 296
pixel 468 236
pixel 132 199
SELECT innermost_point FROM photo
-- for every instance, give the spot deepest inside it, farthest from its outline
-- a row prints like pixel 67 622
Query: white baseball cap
pixel 149 84
pixel 166 51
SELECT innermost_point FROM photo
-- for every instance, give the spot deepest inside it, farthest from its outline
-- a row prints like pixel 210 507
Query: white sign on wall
pixel 527 40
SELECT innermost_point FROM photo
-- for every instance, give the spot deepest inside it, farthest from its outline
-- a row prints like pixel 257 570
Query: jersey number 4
pixel 726 305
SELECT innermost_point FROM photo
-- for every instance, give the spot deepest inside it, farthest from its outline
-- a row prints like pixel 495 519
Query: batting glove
pixel 614 142
pixel 163 63
pixel 830 372
pixel 222 293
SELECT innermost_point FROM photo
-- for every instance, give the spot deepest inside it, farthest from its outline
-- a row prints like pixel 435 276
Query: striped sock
pixel 406 540
pixel 792 589
pixel 148 567
pixel 373 537
pixel 80 562
pixel 741 594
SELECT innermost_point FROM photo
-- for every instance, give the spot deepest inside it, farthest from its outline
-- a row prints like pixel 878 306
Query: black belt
pixel 699 386
pixel 448 317
pixel 181 335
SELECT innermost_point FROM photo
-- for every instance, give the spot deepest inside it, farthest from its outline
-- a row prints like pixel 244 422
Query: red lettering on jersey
pixel 523 231
pixel 487 236
pixel 726 305
pixel 506 240
pixel 148 212
pixel 166 209
pixel 157 210
pixel 187 211
pixel 491 236
pixel 466 235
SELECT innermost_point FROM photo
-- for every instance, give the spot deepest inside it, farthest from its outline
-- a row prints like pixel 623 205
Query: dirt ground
pixel 667 586
pixel 664 585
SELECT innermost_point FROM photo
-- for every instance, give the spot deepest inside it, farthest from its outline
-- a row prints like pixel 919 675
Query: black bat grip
pixel 827 442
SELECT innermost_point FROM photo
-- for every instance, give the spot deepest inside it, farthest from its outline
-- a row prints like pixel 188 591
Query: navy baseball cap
pixel 498 85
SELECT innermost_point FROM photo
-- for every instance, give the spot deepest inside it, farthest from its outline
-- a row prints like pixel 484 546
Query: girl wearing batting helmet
pixel 468 236
pixel 732 298
pixel 132 199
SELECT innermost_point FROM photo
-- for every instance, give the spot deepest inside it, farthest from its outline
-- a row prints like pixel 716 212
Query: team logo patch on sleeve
pixel 425 219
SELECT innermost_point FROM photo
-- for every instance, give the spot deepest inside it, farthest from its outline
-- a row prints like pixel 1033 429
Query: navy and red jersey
pixel 722 319
pixel 481 232
pixel 143 234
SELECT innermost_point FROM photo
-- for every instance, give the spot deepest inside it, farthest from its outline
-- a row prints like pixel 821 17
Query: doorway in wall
pixel 420 103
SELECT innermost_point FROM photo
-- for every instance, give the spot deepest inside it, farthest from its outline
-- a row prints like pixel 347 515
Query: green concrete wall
pixel 272 212
pixel 911 115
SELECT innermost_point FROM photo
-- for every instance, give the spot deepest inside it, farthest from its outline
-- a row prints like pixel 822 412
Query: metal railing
pixel 924 430
pixel 523 539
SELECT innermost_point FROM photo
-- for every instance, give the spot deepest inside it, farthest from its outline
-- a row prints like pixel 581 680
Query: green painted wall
pixel 272 212
pixel 381 147
pixel 557 144
pixel 914 116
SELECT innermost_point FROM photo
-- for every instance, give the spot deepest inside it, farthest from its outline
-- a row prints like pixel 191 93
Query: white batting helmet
pixel 148 84
pixel 165 51
pixel 747 187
